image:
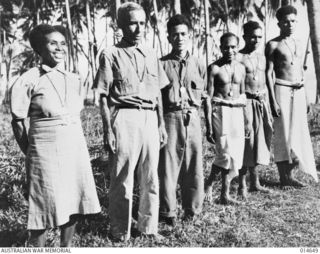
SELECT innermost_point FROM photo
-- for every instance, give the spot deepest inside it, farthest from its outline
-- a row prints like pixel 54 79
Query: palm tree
pixel 313 7
pixel 176 7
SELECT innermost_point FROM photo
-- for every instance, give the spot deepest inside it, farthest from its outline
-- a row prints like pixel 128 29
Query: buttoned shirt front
pixel 187 86
pixel 44 92
pixel 130 75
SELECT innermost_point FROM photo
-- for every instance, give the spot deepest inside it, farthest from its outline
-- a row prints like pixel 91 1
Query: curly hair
pixel 250 26
pixel 285 10
pixel 37 35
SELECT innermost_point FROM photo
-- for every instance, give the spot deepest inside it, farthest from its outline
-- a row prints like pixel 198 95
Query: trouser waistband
pixel 53 121
pixel 293 85
pixel 153 107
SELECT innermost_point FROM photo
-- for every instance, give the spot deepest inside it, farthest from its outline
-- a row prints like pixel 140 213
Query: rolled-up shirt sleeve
pixel 203 75
pixel 163 78
pixel 20 98
pixel 104 77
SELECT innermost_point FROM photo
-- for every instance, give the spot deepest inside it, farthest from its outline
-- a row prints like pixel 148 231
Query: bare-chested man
pixel 257 144
pixel 226 79
pixel 288 102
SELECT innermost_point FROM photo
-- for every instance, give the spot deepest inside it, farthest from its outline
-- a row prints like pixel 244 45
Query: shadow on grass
pixel 13 238
pixel 4 203
pixel 314 133
pixel 269 183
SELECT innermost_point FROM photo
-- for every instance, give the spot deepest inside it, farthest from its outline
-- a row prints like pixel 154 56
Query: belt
pixel 177 108
pixel 54 121
pixel 256 96
pixel 226 103
pixel 137 107
pixel 293 85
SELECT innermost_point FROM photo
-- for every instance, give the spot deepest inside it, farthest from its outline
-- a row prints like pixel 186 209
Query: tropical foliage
pixel 18 17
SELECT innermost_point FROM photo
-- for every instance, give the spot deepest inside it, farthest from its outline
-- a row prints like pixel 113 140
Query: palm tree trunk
pixel 75 67
pixel 90 41
pixel 265 21
pixel 207 31
pixel 176 7
pixel 313 7
pixel 227 14
pixel 117 5
pixel 155 8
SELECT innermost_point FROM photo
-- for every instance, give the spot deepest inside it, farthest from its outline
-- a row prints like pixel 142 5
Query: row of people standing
pixel 236 106
pixel 149 108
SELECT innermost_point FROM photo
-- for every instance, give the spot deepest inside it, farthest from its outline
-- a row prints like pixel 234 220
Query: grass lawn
pixel 281 219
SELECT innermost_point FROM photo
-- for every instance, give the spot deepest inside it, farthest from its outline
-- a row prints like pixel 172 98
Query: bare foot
pixel 295 183
pixel 260 189
pixel 224 200
pixel 286 187
pixel 208 193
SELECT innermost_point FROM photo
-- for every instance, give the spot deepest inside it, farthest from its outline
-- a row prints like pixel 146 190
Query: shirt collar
pixel 182 60
pixel 127 46
pixel 59 67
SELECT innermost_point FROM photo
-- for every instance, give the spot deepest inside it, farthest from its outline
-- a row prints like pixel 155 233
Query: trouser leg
pixel 192 173
pixel 170 163
pixel 168 175
pixel 148 177
pixel 127 129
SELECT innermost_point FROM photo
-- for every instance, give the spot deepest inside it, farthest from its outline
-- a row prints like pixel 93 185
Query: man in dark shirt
pixel 182 99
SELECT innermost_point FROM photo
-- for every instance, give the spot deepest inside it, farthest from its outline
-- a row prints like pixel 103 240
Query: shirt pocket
pixel 122 84
pixel 170 93
pixel 197 88
pixel 151 80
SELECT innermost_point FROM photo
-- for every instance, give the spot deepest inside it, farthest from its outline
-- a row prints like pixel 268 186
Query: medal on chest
pixel 230 71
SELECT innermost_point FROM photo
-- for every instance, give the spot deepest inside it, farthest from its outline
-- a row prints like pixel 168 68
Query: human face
pixel 288 24
pixel 54 50
pixel 133 30
pixel 253 40
pixel 179 37
pixel 229 48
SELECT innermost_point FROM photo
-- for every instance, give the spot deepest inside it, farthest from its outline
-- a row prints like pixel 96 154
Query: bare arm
pixel 210 81
pixel 21 134
pixel 270 79
pixel 161 124
pixel 247 125
pixel 108 135
pixel 207 104
pixel 242 84
pixel 208 116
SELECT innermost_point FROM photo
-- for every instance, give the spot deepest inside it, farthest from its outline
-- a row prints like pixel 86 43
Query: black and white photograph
pixel 159 124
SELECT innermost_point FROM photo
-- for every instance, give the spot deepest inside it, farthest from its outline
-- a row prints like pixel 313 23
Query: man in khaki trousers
pixel 129 80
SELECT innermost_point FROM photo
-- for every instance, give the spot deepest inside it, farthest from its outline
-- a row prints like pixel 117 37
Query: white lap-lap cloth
pixel 228 125
pixel 292 137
